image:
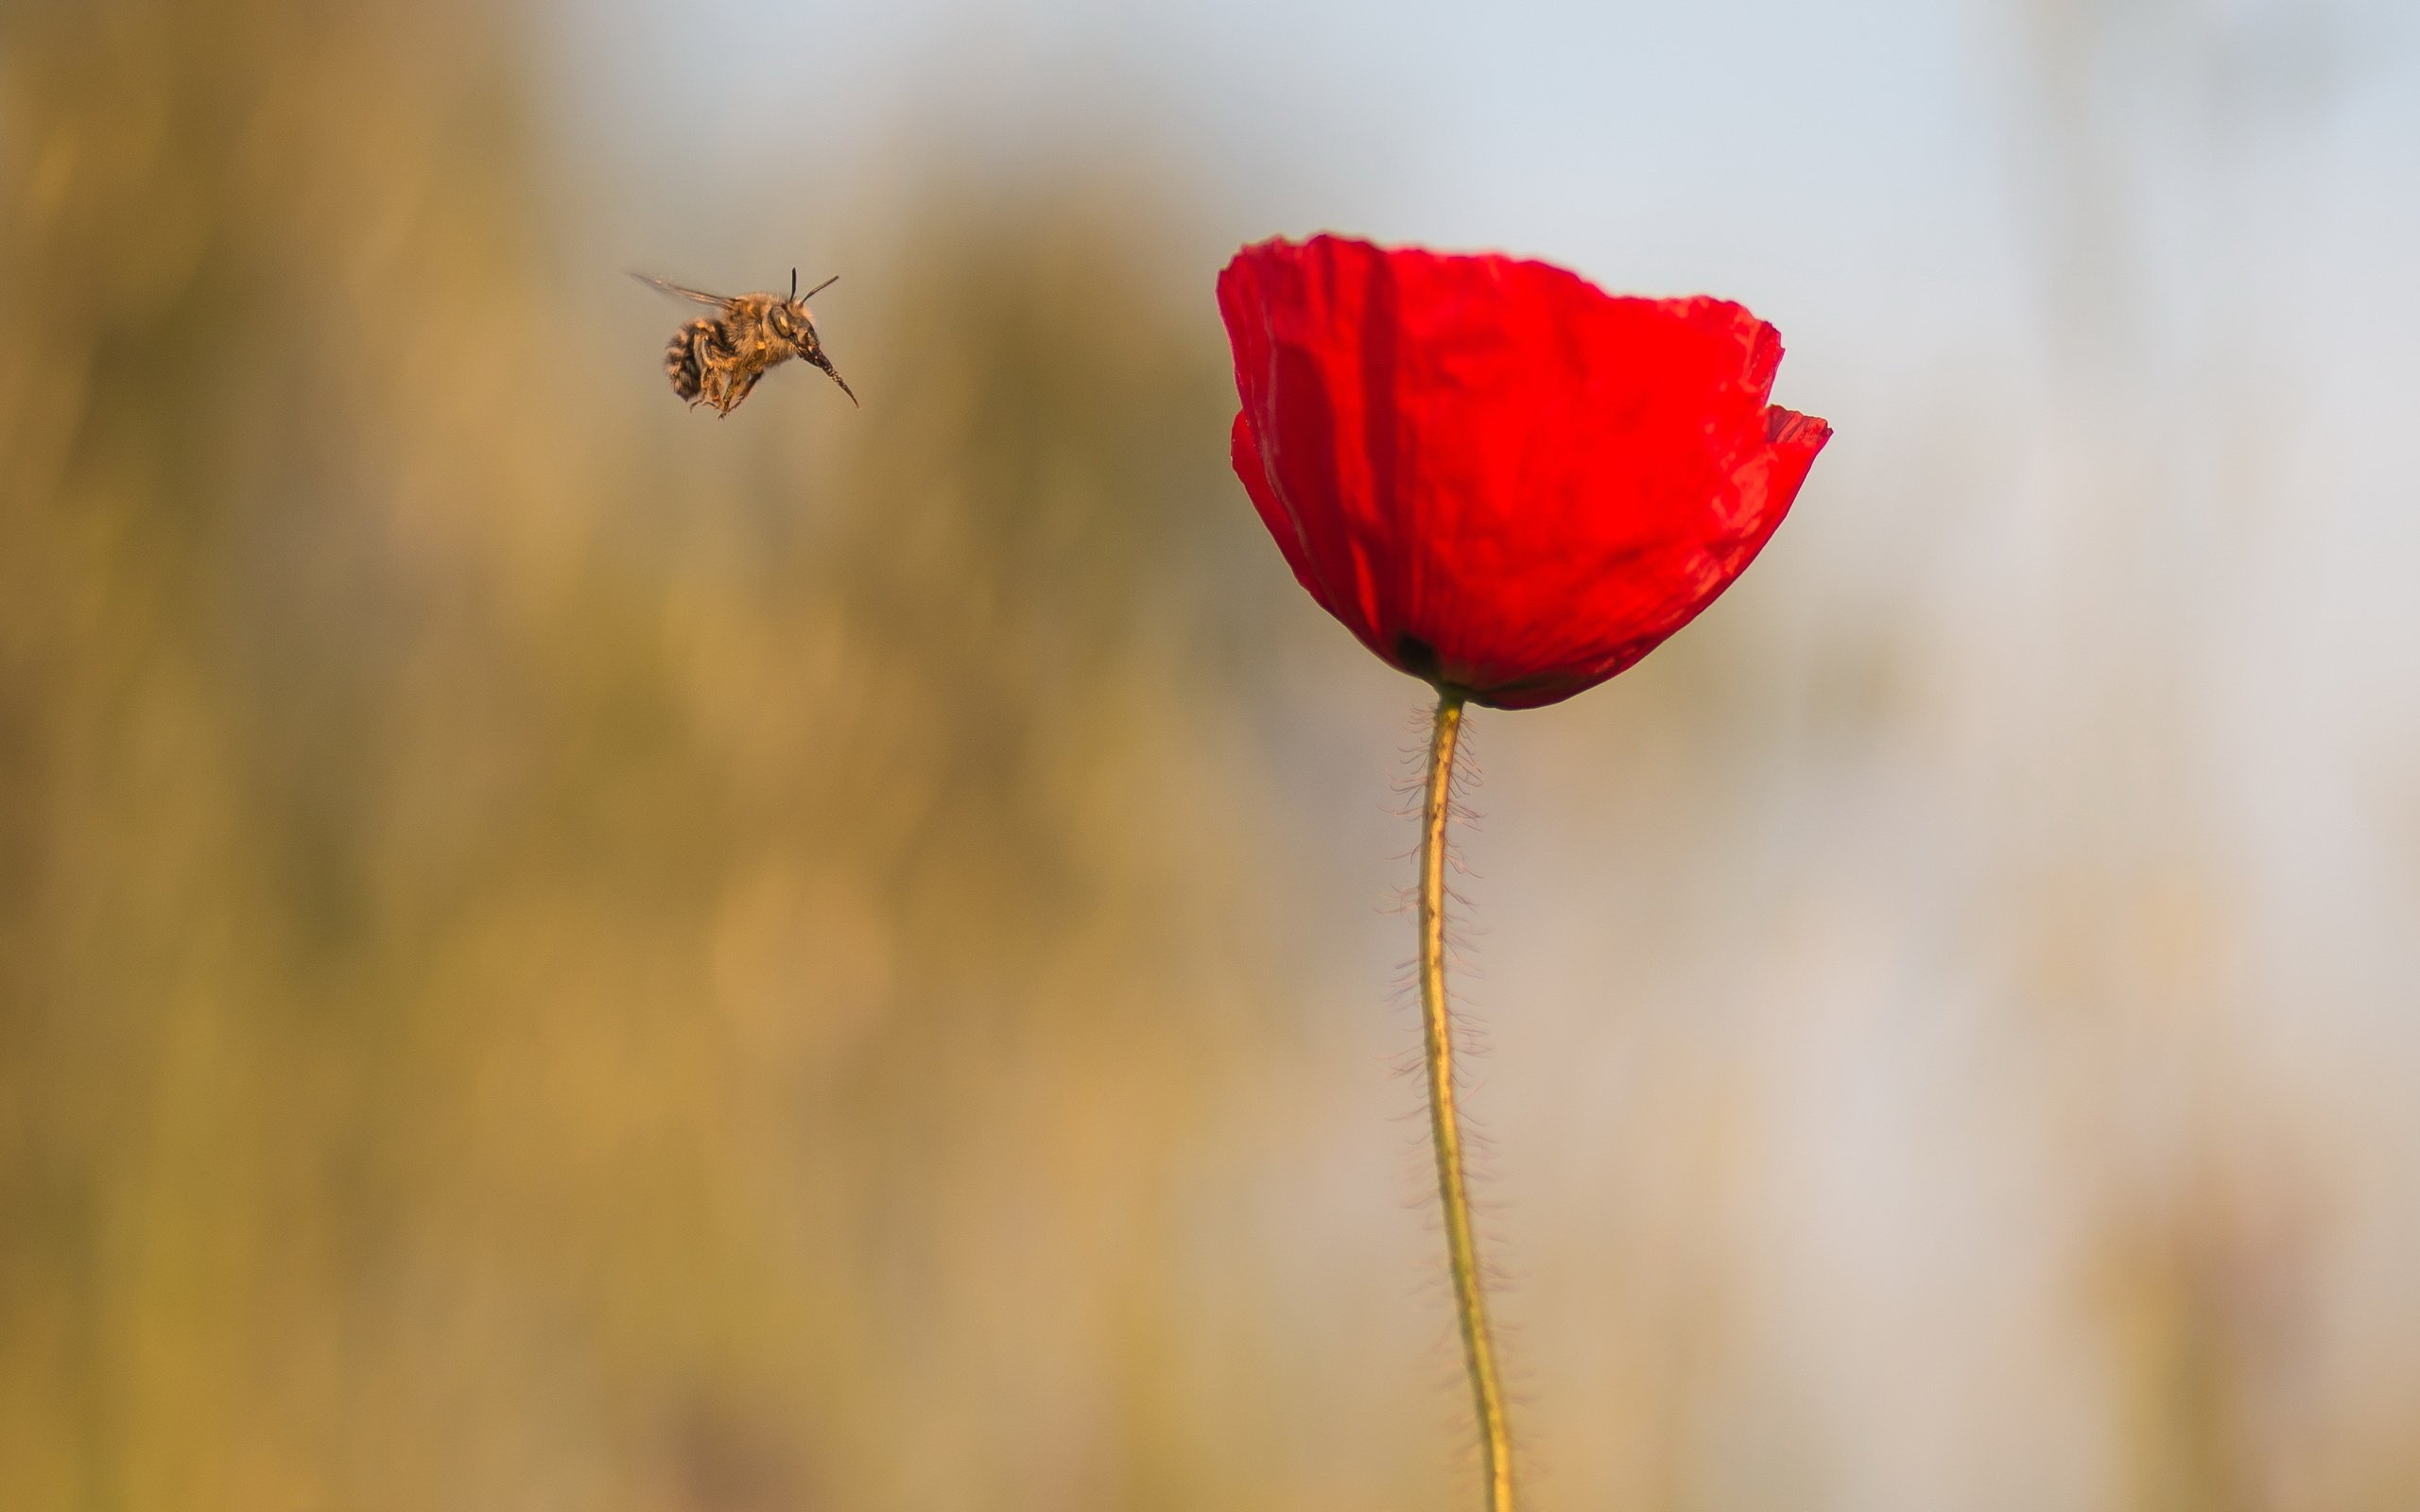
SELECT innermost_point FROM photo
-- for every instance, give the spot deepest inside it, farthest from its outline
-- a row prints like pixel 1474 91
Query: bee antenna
pixel 793 283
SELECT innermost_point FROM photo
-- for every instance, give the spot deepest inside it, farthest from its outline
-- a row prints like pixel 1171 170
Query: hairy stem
pixel 1462 1243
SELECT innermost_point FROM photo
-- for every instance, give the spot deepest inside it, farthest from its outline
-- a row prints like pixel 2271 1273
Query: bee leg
pixel 746 386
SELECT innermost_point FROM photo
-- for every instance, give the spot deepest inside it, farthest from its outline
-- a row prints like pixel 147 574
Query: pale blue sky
pixel 1880 178
pixel 1751 146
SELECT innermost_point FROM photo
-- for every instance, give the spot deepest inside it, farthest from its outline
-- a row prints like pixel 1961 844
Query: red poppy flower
pixel 1501 479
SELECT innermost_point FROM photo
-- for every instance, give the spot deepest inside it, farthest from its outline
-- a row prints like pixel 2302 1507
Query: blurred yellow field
pixel 559 952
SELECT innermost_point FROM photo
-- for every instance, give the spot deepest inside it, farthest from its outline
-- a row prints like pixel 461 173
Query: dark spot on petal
pixel 1416 655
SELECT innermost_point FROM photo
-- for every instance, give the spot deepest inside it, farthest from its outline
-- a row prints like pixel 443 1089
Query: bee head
pixel 791 323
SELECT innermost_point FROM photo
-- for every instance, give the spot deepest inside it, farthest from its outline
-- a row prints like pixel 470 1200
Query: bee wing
pixel 699 295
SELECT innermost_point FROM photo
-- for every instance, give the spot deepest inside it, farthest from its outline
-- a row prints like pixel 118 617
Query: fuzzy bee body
pixel 718 359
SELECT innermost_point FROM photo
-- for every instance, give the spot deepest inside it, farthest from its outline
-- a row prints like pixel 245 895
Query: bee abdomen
pixel 685 357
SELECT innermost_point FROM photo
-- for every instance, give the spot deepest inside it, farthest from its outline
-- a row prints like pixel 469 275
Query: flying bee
pixel 716 359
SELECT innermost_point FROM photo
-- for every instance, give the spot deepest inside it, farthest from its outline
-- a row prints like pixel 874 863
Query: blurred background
pixel 560 952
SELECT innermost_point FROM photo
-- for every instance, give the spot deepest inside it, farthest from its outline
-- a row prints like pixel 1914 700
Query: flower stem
pixel 1462 1243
